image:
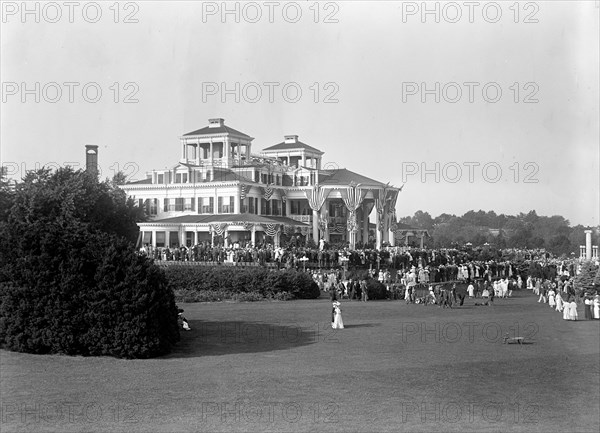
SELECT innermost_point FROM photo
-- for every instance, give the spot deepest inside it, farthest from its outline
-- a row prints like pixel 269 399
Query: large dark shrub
pixel 70 282
pixel 100 299
pixel 218 283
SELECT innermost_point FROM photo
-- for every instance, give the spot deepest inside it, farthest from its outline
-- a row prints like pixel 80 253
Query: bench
pixel 513 340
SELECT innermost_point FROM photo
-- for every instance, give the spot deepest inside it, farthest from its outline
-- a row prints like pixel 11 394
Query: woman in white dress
pixel 471 290
pixel 552 298
pixel 573 310
pixel 596 307
pixel 559 302
pixel 338 323
pixel 567 310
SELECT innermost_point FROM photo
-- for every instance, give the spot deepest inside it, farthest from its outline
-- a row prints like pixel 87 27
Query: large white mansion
pixel 220 188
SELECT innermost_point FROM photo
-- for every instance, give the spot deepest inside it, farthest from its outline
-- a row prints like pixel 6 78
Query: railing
pixel 301 218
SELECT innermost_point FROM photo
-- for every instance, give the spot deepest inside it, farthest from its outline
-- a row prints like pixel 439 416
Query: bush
pixel 93 296
pixel 376 290
pixel 218 283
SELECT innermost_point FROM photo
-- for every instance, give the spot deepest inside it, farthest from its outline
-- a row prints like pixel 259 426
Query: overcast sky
pixel 369 74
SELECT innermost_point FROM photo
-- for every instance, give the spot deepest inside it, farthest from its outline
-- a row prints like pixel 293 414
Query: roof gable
pixel 207 130
pixel 291 146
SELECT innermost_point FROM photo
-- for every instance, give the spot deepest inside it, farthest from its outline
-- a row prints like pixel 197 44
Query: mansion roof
pixel 207 130
pixel 291 146
pixel 344 176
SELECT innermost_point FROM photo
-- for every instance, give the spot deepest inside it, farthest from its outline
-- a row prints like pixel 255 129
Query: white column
pixel 236 202
pixel 253 235
pixel 386 227
pixel 588 245
pixel 225 241
pixel 315 225
pixel 211 152
pixel 226 150
pixel 377 232
pixel 153 239
pixel 365 227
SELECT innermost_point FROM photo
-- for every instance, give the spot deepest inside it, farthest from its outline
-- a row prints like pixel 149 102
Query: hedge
pixel 205 284
pixel 101 298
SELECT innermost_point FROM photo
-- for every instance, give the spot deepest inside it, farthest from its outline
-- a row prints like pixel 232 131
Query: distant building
pixel 219 188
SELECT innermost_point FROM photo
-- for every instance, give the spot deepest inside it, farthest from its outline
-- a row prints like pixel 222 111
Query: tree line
pixel 525 230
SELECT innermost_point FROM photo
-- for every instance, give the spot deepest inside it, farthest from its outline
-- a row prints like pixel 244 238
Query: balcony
pixel 302 218
pixel 337 220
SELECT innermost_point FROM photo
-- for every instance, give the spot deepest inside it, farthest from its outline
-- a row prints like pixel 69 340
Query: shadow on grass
pixel 230 337
pixel 362 325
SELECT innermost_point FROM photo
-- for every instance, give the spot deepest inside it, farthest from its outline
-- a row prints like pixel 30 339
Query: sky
pixel 492 106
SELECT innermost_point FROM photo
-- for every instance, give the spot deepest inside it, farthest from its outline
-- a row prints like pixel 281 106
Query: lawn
pixel 277 366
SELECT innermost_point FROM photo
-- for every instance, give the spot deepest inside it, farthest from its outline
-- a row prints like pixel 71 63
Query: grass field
pixel 277 366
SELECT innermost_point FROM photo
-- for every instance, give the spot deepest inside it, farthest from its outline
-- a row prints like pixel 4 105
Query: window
pixel 160 239
pixel 251 208
pixel 205 205
pixel 184 177
pixel 166 205
pixel 154 206
pixel 178 178
pixel 174 239
pixel 220 204
pixel 179 204
pixel 189 239
pixel 190 204
pixel 226 208
pixel 275 207
pixel 147 238
pixel 160 178
pixel 256 176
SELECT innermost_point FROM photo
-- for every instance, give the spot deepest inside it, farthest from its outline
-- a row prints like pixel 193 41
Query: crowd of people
pixel 560 296
pixel 431 265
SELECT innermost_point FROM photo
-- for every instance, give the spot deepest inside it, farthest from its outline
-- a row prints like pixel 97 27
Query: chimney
pixel 291 138
pixel 91 158
pixel 216 123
